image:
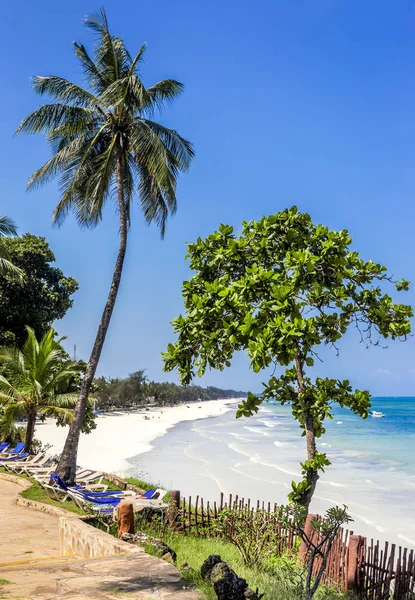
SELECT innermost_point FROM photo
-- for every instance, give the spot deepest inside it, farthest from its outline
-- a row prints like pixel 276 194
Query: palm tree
pixel 31 382
pixel 105 145
pixel 8 229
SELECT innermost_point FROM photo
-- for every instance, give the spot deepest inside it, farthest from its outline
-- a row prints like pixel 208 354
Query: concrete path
pixel 31 568
pixel 24 533
pixel 138 577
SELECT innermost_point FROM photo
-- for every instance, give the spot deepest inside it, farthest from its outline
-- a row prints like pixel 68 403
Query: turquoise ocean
pixel 372 471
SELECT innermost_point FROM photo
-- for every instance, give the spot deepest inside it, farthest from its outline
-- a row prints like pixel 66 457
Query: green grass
pixel 277 580
pixel 5 582
pixel 38 494
pixel 143 485
pixel 120 592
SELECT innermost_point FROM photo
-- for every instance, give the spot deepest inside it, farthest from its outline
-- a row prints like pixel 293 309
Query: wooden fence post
pixel 352 563
pixel 302 553
pixel 174 508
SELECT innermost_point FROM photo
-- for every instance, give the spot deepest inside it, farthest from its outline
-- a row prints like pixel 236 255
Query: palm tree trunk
pixel 30 429
pixel 67 463
pixel 312 475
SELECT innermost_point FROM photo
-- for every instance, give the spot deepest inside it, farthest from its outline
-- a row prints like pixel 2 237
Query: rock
pixel 150 513
pixel 168 558
pixel 226 583
pixel 158 546
pixel 208 565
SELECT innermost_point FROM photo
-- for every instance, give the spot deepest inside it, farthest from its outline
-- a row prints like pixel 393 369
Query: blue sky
pixel 308 102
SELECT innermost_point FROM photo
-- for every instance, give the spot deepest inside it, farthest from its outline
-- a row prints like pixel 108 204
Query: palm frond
pixel 61 160
pixel 178 147
pixel 153 203
pixel 52 116
pixel 63 90
pixel 9 269
pixel 8 227
pixel 13 412
pixel 92 73
pixel 162 92
pixel 65 415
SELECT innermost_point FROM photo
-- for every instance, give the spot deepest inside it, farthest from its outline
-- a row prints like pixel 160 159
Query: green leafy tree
pixel 279 290
pixel 31 382
pixel 8 229
pixel 40 298
pixel 106 146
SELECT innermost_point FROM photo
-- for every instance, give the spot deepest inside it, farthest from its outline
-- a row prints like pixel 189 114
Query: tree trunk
pixel 30 429
pixel 67 464
pixel 312 475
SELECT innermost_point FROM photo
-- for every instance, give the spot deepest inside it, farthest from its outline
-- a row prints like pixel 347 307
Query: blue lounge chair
pixel 79 488
pixel 4 446
pixel 16 450
pixel 149 494
pixel 11 457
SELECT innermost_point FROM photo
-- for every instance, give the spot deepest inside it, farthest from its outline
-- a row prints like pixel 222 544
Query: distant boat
pixel 377 415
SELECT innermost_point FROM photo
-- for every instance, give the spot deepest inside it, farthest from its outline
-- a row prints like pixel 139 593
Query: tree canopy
pixel 279 290
pixel 34 381
pixel 43 296
pixel 137 390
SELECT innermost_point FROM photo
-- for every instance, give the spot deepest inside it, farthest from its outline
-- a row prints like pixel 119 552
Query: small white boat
pixel 377 415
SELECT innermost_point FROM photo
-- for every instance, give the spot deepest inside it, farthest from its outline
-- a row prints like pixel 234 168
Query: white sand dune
pixel 122 435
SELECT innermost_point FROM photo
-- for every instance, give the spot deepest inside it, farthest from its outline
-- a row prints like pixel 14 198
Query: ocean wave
pixel 257 430
pixel 268 422
pixel 406 539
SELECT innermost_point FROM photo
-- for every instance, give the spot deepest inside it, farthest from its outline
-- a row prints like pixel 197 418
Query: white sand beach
pixel 122 435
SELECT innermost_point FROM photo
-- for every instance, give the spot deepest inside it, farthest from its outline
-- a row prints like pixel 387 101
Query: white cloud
pixel 387 373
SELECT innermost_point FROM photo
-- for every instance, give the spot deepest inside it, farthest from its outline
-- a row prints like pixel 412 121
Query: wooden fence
pixel 354 563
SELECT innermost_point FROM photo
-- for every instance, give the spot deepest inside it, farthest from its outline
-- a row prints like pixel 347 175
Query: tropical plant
pixel 105 145
pixel 279 290
pixel 318 535
pixel 30 382
pixel 43 296
pixel 8 229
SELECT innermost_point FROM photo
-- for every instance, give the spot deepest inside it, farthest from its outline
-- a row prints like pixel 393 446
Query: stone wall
pixel 85 541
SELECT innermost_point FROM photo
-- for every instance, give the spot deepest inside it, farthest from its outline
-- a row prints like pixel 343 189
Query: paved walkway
pixel 31 568
pixel 24 533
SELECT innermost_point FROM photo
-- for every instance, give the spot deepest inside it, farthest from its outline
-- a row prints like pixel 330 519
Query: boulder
pixel 226 583
pixel 158 546
pixel 208 565
pixel 149 513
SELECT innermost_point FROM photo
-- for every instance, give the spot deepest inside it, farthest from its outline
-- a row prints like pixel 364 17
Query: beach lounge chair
pixel 43 474
pixel 157 494
pixel 101 507
pixel 44 463
pixel 12 456
pixel 161 494
pixel 87 476
pixel 3 447
pixel 16 450
pixel 149 494
pixel 82 495
pixel 16 466
pixel 89 489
